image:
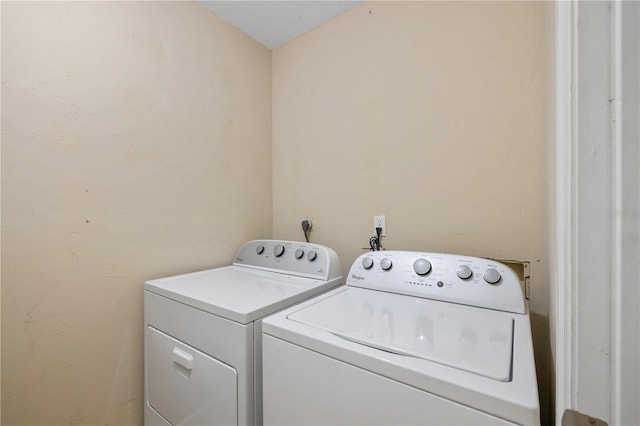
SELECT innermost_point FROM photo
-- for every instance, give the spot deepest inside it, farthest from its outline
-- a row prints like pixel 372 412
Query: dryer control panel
pixel 452 278
pixel 290 257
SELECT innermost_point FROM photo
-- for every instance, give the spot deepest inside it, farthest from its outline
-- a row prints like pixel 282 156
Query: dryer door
pixel 186 386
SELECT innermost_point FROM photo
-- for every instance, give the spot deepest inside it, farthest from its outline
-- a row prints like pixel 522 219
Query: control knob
pixel 367 263
pixel 422 266
pixel 491 276
pixel 278 250
pixel 386 264
pixel 312 256
pixel 464 272
pixel 299 253
pixel 260 249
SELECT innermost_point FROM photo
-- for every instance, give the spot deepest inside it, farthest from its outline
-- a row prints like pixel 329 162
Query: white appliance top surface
pixel 472 339
pixel 238 293
pixel 455 326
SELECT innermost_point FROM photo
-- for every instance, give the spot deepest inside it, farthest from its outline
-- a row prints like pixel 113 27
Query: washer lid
pixel 238 293
pixel 467 338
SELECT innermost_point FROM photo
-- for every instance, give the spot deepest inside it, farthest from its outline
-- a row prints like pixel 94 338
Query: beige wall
pixel 431 113
pixel 136 143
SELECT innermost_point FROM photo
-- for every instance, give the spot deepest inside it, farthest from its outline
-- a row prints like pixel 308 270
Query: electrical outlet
pixel 380 222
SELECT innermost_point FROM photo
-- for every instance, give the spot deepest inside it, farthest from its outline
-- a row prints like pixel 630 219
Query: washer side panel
pixel 304 387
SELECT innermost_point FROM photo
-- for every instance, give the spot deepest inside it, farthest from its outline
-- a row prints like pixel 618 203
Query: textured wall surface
pixel 136 143
pixel 431 113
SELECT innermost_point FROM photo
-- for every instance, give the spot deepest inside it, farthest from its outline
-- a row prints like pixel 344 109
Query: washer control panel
pixel 452 278
pixel 290 257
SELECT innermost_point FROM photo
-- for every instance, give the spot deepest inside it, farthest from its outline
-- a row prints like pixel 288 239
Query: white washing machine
pixel 202 331
pixel 413 338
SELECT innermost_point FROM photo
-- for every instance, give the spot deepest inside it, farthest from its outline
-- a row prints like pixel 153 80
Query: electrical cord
pixel 306 228
pixel 375 243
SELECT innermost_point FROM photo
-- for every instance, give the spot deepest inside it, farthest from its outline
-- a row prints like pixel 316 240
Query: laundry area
pixel 177 190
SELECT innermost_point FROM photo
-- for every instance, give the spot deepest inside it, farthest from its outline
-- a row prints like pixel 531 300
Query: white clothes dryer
pixel 203 331
pixel 413 338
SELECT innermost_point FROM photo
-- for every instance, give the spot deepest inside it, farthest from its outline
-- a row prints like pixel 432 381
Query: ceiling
pixel 273 23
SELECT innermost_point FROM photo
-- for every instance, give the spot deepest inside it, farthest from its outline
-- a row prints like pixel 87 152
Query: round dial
pixel 491 276
pixel 312 255
pixel 386 264
pixel 367 263
pixel 422 266
pixel 278 250
pixel 299 253
pixel 260 249
pixel 464 272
